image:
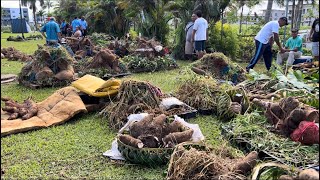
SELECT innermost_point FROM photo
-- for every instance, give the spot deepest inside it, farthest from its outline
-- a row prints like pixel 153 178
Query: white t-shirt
pixel 201 26
pixel 267 31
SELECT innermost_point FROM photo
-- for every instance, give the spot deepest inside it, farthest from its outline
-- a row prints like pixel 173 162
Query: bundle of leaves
pixel 198 92
pixel 144 64
pixel 278 85
pixel 17 39
pixel 36 36
pixel 81 67
pixel 100 39
pixel 251 133
pixel 220 66
pixel 133 97
pixel 15 55
pixel 52 66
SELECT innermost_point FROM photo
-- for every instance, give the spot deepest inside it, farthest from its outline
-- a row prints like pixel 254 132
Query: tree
pixel 41 14
pixel 269 8
pixel 32 5
pixel 150 16
pixel 48 4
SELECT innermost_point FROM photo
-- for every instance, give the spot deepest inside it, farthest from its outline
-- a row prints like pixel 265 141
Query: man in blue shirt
pixel 63 28
pixel 75 23
pixel 52 30
pixel 83 26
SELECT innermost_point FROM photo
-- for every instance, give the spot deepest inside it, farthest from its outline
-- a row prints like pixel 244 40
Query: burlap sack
pixel 56 109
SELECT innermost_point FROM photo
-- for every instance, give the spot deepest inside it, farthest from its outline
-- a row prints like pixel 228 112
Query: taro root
pixel 131 141
pixel 246 164
pixel 178 137
pixel 26 110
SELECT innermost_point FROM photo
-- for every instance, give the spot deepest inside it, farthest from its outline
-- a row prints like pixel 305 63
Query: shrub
pixel 228 43
pixel 246 49
pixel 6 29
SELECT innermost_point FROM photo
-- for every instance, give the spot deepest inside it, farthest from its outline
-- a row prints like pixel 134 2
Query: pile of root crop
pixel 220 67
pixel 25 111
pixel 52 66
pixel 198 92
pixel 13 54
pixel 104 61
pixel 133 97
pixel 251 132
pixel 156 132
pixel 192 163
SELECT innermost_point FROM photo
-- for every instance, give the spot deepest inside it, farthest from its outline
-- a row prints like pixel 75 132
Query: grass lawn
pixel 74 150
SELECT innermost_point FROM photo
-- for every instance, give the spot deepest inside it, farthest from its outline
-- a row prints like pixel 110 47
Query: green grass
pixel 28 46
pixel 74 149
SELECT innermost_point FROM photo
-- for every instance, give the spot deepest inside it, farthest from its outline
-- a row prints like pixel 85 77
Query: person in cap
pixel 264 40
pixel 52 30
pixel 293 48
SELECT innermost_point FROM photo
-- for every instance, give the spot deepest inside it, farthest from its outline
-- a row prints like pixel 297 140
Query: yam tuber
pixel 131 141
pixel 308 174
pixel 178 137
pixel 246 164
pixel 26 110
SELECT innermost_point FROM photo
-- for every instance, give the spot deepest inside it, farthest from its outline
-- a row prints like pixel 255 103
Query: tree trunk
pixel 241 15
pixel 35 19
pixel 293 13
pixel 268 12
pixel 299 14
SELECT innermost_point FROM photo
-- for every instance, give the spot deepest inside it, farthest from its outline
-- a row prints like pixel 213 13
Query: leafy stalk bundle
pixel 253 130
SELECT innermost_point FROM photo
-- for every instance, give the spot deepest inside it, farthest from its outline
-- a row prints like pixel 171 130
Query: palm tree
pixel 48 4
pixel 269 8
pixel 32 5
pixel 41 13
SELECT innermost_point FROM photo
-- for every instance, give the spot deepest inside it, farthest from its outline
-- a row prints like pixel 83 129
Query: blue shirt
pixel 74 24
pixel 52 29
pixel 63 24
pixel 83 24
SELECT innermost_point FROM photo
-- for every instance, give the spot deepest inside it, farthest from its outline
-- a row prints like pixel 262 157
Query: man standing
pixel 52 30
pixel 293 48
pixel 188 49
pixel 264 40
pixel 199 33
pixel 75 23
pixel 63 28
pixel 314 36
pixel 83 26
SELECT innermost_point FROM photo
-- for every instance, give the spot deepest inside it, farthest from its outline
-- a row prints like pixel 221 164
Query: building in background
pixel 13 13
pixel 309 12
pixel 275 14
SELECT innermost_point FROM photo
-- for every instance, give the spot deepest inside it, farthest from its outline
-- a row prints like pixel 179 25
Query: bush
pixel 133 33
pixel 6 29
pixel 228 44
pixel 246 49
pixel 306 52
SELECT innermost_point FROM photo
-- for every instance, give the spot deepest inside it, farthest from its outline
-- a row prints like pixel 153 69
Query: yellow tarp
pixel 97 87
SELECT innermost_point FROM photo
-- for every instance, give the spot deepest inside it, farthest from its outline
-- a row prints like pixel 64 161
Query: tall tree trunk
pixel 293 13
pixel 268 12
pixel 241 15
pixel 299 14
pixel 35 19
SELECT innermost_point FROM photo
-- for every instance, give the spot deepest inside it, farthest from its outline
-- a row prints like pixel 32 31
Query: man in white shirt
pixel 264 40
pixel 199 34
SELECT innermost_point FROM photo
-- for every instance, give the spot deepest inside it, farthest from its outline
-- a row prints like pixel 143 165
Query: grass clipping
pixel 219 66
pixel 133 97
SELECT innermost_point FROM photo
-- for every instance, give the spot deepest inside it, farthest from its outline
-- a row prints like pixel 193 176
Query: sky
pixel 257 8
pixel 15 4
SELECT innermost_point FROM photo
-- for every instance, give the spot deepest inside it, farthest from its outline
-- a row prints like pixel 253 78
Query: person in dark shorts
pixel 63 28
pixel 199 34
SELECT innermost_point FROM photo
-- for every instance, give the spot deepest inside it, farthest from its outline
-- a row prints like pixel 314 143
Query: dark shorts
pixel 199 45
pixel 84 32
pixel 64 32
